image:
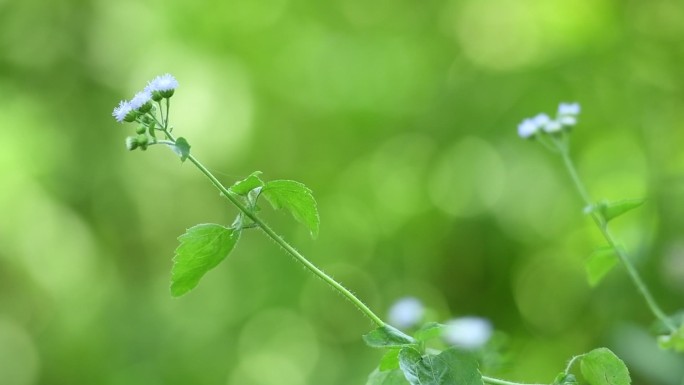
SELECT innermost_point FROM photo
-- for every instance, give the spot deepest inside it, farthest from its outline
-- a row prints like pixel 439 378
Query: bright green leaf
pixel 248 184
pixel 388 337
pixel 600 263
pixel 296 198
pixel 181 148
pixel 565 379
pixel 451 367
pixel 390 360
pixel 429 331
pixel 610 210
pixel 201 248
pixel 389 377
pixel 602 367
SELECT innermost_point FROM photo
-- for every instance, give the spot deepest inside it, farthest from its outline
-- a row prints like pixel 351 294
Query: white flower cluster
pixel 566 117
pixel 466 332
pixel 158 88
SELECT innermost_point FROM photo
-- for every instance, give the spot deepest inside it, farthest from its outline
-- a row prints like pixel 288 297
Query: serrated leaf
pixel 451 367
pixel 248 184
pixel 390 360
pixel 674 341
pixel 600 263
pixel 295 198
pixel 429 331
pixel 602 367
pixel 201 248
pixel 390 377
pixel 388 337
pixel 611 210
pixel 181 148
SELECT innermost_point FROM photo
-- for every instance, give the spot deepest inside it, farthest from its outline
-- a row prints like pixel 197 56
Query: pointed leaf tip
pixel 387 337
pixel 296 198
pixel 248 184
pixel 202 247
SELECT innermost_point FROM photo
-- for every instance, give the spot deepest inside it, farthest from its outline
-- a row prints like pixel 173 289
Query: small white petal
pixel 527 128
pixel 164 82
pixel 569 109
pixel 541 119
pixel 406 312
pixel 121 111
pixel 468 332
pixel 552 126
pixel 140 98
pixel 567 120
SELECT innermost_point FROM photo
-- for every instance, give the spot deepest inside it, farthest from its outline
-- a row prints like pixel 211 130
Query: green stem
pixel 280 241
pixel 572 362
pixel 496 381
pixel 603 227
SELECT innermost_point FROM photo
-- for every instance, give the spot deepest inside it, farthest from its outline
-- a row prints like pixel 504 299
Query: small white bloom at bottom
pixel 468 332
pixel 406 312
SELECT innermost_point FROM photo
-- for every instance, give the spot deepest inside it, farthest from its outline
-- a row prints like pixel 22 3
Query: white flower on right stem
pixel 468 332
pixel 406 312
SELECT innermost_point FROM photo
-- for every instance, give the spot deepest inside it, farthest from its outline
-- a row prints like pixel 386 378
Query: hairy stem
pixel 280 241
pixel 603 227
pixel 496 381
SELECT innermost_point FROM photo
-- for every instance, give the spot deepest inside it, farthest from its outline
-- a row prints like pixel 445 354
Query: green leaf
pixel 429 331
pixel 391 377
pixel 296 198
pixel 201 248
pixel 451 367
pixel 602 367
pixel 248 184
pixel 565 379
pixel 390 360
pixel 610 210
pixel 387 337
pixel 600 263
pixel 674 341
pixel 181 148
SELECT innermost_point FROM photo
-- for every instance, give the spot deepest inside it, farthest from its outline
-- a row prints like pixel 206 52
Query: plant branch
pixel 280 241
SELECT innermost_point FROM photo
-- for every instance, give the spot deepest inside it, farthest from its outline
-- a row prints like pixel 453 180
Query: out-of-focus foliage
pixel 401 116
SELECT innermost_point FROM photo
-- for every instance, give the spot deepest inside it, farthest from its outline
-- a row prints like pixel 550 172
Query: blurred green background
pixel 400 115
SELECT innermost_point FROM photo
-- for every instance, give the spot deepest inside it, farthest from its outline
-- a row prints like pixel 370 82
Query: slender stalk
pixel 280 241
pixel 571 362
pixel 496 381
pixel 603 227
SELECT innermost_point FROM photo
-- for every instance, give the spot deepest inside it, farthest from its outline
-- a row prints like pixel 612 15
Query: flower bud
pixel 141 129
pixel 131 143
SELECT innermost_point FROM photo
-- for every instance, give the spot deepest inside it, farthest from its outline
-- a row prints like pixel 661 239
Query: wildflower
pixel 123 112
pixel 566 116
pixel 567 113
pixel 141 101
pixel 468 332
pixel 406 312
pixel 162 86
pixel 569 109
pixel 527 128
pixel 131 143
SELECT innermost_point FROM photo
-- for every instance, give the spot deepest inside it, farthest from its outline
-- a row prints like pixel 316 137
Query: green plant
pixel 408 359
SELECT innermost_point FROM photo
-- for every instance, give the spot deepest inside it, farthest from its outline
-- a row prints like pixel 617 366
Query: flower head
pixel 140 99
pixel 468 332
pixel 162 86
pixel 569 109
pixel 406 312
pixel 123 110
